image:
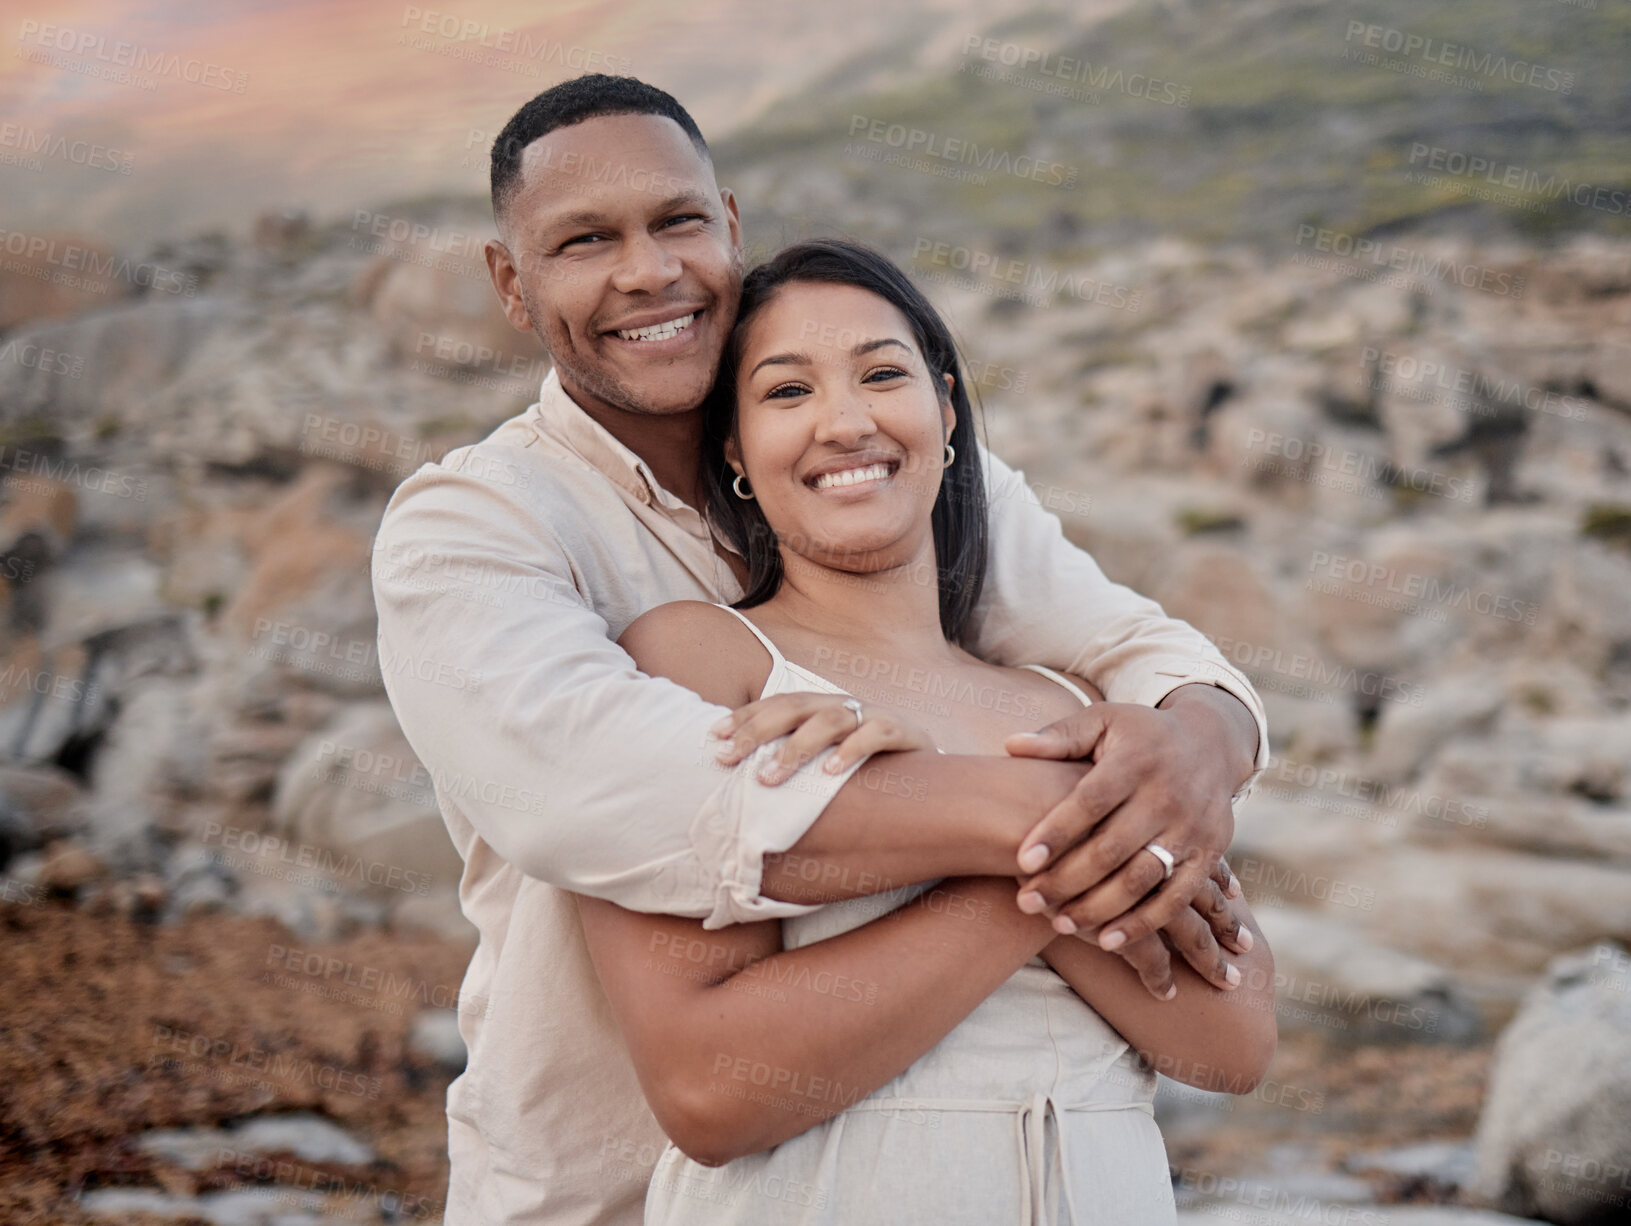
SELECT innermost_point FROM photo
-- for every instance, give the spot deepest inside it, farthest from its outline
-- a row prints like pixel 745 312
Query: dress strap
pixel 1059 677
pixel 777 660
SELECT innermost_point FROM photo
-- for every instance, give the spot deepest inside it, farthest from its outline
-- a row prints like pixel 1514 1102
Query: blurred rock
pixel 1329 974
pixel 68 868
pixel 1408 734
pixel 1446 1166
pixel 436 1037
pixel 356 790
pixel 33 287
pixel 1554 1138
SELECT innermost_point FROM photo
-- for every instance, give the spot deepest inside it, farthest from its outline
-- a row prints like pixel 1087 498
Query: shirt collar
pixel 559 417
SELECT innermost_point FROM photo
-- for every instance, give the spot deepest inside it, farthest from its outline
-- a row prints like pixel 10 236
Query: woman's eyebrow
pixel 869 346
pixel 782 359
pixel 804 359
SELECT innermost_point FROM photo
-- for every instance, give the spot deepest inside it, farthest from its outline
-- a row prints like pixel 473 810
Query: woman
pixel 928 1054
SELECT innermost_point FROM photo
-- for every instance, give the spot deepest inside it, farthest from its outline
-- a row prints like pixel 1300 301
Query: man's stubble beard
pixel 606 389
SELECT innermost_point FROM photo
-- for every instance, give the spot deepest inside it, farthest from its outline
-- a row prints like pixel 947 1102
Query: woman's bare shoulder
pixel 701 646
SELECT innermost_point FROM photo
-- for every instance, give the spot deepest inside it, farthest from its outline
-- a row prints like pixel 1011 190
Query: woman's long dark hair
pixel 959 516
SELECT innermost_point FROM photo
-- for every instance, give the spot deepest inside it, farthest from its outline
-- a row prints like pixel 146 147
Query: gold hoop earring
pixel 951 454
pixel 737 486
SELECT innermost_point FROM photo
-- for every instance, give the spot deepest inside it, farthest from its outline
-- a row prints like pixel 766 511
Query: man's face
pixel 625 257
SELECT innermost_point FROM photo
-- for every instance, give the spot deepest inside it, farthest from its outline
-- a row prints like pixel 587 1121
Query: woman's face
pixel 840 427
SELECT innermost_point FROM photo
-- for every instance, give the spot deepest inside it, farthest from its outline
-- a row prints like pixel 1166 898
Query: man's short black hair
pixel 570 102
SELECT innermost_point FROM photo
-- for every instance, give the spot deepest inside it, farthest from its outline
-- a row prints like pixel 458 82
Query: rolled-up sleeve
pixel 1045 601
pixel 563 757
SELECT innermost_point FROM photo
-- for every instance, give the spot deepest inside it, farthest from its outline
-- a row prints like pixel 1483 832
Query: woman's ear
pixel 733 454
pixel 948 413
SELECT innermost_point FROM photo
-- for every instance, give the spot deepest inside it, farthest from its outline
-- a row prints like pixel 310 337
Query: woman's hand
pixel 812 721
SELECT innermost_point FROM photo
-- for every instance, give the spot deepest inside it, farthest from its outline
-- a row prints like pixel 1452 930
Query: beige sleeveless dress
pixel 1033 1110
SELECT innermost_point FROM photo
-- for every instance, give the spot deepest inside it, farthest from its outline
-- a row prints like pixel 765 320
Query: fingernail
pixel 1245 939
pixel 1112 940
pixel 1234 886
pixel 1064 925
pixel 1032 903
pixel 1232 975
pixel 833 765
pixel 771 773
pixel 722 727
pixel 1171 992
pixel 1033 857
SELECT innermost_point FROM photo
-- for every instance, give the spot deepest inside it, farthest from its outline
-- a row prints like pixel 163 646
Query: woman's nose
pixel 846 417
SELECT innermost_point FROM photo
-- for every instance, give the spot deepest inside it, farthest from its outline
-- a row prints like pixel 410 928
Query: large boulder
pixel 1554 1139
pixel 1328 974
pixel 355 794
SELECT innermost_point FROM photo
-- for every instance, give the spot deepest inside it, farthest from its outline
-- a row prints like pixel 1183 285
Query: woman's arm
pixel 1205 1037
pixel 740 1045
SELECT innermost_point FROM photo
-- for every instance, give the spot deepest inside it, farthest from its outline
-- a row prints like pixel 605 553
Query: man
pixel 523 557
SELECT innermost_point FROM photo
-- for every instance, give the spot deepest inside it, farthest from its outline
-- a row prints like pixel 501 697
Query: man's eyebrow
pixel 804 359
pixel 589 217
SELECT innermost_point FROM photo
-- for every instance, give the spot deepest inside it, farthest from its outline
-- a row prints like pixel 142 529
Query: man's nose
pixel 646 266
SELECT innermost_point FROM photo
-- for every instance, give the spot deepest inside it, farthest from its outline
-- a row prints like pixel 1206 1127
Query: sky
pixel 133 121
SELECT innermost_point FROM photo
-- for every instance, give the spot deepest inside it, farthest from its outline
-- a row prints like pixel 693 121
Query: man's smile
pixel 654 330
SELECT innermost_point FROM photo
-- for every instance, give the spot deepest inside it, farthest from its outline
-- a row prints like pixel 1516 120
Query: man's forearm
pixel 915 816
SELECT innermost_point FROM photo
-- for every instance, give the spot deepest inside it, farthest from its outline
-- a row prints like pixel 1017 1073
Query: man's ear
pixel 733 220
pixel 507 281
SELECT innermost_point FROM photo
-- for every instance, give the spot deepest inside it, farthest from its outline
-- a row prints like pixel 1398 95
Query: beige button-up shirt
pixel 503 576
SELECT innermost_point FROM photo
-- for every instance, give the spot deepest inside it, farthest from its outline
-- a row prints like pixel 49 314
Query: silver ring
pixel 1163 855
pixel 854 704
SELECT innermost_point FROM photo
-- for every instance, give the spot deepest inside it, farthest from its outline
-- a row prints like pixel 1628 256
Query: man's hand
pixel 1161 775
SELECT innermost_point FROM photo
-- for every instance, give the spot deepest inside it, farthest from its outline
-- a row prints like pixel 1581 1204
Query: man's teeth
pixel 658 332
pixel 852 476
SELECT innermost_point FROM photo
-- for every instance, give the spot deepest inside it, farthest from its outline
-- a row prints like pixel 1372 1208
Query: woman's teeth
pixel 852 476
pixel 658 332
